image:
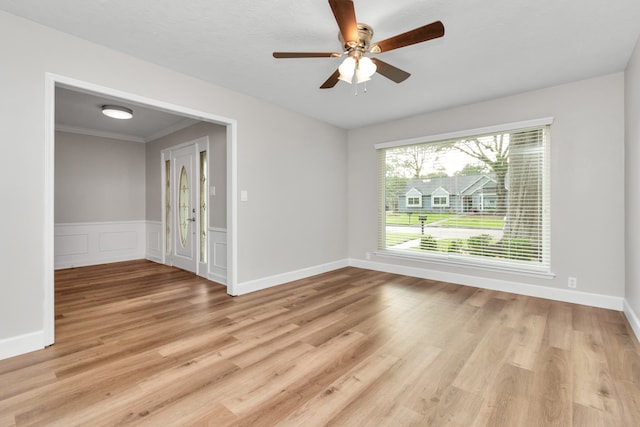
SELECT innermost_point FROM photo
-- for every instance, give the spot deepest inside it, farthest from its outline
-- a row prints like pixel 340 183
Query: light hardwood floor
pixel 145 344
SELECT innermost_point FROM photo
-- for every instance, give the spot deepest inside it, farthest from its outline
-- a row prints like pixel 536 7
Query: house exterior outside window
pixel 414 198
pixel 490 202
pixel 440 198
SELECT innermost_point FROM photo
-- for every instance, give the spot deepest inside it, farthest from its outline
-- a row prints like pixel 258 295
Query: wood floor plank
pixel 138 343
pixel 592 382
pixel 551 390
pixel 481 368
pixel 383 398
pixel 524 349
pixel 324 406
pixel 505 404
pixel 559 326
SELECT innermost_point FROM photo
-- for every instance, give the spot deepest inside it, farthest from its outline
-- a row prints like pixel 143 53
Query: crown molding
pixel 91 132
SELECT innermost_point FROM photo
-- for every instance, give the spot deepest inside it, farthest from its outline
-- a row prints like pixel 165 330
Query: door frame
pixel 200 144
pixel 55 80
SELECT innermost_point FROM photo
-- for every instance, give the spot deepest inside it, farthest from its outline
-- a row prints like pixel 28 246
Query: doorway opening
pixel 229 126
pixel 185 200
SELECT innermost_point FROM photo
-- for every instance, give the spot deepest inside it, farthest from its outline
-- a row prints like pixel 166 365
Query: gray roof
pixel 455 185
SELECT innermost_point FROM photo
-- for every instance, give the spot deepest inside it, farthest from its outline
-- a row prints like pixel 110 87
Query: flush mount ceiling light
pixel 117 112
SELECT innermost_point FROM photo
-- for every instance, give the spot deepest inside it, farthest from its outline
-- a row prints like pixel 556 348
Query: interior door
pixel 185 208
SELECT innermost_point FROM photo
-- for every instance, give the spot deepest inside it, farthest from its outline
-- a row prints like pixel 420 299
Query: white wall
pixel 587 161
pixel 98 179
pixel 292 166
pixel 632 160
pixel 99 200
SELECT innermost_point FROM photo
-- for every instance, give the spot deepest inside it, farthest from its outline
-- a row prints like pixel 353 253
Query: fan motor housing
pixel 365 33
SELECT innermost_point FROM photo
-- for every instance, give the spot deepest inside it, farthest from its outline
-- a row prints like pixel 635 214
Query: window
pixel 489 193
pixel 414 198
pixel 167 206
pixel 203 206
pixel 183 206
pixel 440 197
pixel 440 201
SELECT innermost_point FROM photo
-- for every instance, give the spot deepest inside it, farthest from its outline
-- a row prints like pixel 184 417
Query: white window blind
pixel 488 200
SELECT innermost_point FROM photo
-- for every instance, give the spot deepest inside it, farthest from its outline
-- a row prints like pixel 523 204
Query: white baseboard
pixel 633 318
pixel 21 344
pixel 82 244
pixel 583 298
pixel 280 279
pixel 153 258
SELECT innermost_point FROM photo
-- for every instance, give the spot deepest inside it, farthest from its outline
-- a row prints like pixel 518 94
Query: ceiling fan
pixel 356 42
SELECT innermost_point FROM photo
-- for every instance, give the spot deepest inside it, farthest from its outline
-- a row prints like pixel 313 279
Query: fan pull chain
pixel 365 88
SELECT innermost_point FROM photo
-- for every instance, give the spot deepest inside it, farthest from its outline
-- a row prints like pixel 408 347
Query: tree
pixel 514 158
pixel 492 151
pixel 524 215
pixel 439 171
pixel 393 187
pixel 414 159
pixel 472 169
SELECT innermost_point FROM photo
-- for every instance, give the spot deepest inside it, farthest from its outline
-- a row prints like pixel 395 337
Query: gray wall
pixel 98 179
pixel 217 170
pixel 282 156
pixel 587 159
pixel 632 160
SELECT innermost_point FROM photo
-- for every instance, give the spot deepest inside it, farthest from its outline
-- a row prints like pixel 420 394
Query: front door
pixel 184 236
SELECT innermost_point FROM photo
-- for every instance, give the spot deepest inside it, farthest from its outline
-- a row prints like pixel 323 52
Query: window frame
pixel 413 193
pixel 414 204
pixel 542 270
pixel 444 204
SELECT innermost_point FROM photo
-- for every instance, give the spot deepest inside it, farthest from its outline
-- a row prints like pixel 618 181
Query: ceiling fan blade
pixel 419 35
pixel 331 81
pixel 345 15
pixel 306 54
pixel 389 71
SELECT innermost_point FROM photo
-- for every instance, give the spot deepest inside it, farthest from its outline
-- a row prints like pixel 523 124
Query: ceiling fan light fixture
pixel 117 112
pixel 366 68
pixel 346 69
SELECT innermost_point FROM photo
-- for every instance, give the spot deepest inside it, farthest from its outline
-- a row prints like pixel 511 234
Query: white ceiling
pixel 491 48
pixel 80 112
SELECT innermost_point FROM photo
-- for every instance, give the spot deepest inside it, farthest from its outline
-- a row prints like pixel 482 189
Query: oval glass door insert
pixel 183 204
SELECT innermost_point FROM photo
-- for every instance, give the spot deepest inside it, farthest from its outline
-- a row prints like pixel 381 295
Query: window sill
pixel 447 260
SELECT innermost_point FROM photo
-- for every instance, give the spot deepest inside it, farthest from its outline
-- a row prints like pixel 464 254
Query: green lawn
pixel 402 218
pixel 448 220
pixel 397 238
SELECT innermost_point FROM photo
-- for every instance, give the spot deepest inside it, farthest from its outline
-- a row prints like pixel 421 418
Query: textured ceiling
pixel 81 112
pixel 491 48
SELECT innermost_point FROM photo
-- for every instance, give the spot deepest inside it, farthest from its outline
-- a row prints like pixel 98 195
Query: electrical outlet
pixel 572 283
pixel 367 255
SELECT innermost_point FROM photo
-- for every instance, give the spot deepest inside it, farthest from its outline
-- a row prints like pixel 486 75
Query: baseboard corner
pixel 633 318
pixel 280 279
pixel 21 344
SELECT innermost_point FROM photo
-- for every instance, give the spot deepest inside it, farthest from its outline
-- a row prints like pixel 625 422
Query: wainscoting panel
pixel 154 241
pixel 82 244
pixel 218 255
